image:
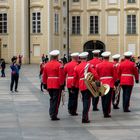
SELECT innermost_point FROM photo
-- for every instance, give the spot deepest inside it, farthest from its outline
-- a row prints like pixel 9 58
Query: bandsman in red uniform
pixel 105 71
pixel 79 73
pixel 127 71
pixel 73 94
pixel 116 98
pixel 96 60
pixel 53 79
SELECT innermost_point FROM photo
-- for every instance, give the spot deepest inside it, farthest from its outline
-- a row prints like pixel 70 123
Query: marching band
pixel 118 75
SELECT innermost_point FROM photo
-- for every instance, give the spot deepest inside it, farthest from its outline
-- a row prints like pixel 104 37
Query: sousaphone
pixel 95 87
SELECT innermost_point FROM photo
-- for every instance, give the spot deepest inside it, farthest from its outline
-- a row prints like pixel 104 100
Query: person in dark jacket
pixel 138 64
pixel 3 66
pixel 14 74
pixel 64 59
pixel 43 58
pixel 20 59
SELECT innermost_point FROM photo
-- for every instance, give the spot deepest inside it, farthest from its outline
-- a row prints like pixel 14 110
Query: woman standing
pixel 14 74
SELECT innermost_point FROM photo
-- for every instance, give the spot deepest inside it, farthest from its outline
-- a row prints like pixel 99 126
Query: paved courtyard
pixel 24 116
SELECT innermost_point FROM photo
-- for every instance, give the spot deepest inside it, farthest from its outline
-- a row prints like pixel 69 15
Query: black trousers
pixel 86 96
pixel 95 101
pixel 106 103
pixel 117 101
pixel 73 100
pixel 2 72
pixel 41 86
pixel 14 80
pixel 55 96
pixel 127 90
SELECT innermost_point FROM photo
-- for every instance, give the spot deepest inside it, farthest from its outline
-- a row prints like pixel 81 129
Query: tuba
pixel 96 88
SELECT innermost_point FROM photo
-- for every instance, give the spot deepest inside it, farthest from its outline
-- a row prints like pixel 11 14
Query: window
pixel 64 3
pixel 3 23
pixel 36 22
pixel 56 23
pixel 131 24
pixel 76 25
pixel 94 26
pixel 112 24
pixel 3 0
pixel 131 1
pixel 4 45
pixel 93 0
pixel 112 1
pixel 55 1
pixel 75 0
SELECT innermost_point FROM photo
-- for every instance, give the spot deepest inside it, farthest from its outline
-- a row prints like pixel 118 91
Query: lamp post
pixel 29 39
pixel 68 30
pixel 0 47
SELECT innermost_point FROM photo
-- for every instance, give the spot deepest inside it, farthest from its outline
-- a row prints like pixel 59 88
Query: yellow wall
pixel 17 36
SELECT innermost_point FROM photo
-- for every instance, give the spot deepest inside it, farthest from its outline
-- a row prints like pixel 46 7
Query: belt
pixel 106 77
pixel 70 77
pixel 128 75
pixel 82 79
pixel 53 77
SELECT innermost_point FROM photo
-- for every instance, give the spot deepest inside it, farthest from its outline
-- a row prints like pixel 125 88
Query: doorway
pixel 93 45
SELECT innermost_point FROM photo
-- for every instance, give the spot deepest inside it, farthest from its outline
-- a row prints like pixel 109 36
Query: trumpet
pixel 95 87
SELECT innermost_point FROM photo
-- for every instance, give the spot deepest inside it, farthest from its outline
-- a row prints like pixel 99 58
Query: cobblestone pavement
pixel 24 116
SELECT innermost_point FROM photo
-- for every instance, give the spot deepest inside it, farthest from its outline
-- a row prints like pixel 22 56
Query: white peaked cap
pixel 74 54
pixel 96 51
pixel 83 55
pixel 128 53
pixel 106 54
pixel 54 53
pixel 116 56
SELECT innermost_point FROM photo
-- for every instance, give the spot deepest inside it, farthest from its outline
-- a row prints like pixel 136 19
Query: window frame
pixel 3 23
pixel 131 25
pixel 76 30
pixel 36 22
pixel 92 30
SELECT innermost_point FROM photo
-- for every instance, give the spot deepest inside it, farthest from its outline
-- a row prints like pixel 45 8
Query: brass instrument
pixel 117 93
pixel 95 87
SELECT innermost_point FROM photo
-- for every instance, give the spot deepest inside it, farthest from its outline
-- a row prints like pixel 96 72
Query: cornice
pixel 75 10
pixel 113 9
pixel 131 8
pixel 94 9
pixel 36 5
pixel 57 7
pixel 6 6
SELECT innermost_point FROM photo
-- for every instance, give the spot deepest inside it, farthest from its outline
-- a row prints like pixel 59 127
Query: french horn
pixel 96 88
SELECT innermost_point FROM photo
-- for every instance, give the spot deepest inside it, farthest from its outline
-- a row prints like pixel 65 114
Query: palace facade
pixel 35 27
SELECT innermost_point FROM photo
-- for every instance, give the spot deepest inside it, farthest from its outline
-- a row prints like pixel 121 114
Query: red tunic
pixel 79 75
pixel 106 73
pixel 127 71
pixel 69 72
pixel 116 66
pixel 95 61
pixel 53 75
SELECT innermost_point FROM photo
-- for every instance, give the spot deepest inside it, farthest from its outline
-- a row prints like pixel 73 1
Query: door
pixel 93 45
